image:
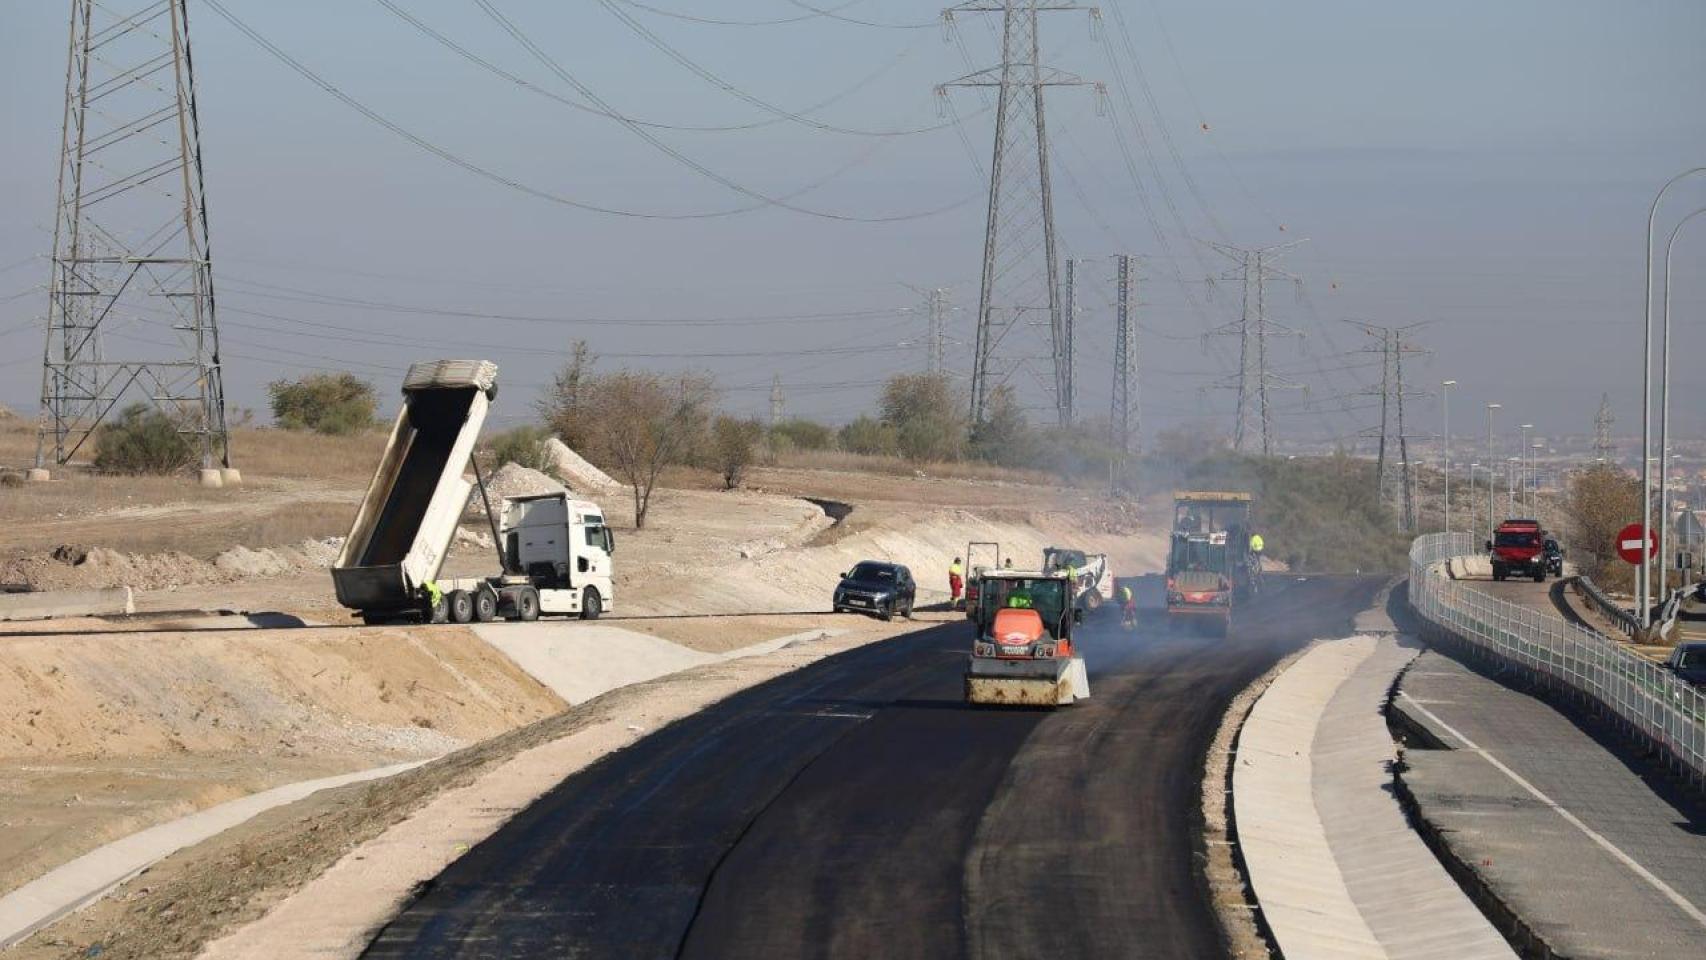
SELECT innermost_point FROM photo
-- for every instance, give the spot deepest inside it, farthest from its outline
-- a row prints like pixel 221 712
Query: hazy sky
pixel 1483 166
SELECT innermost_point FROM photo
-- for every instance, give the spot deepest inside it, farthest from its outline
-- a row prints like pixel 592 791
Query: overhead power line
pixel 542 194
pixel 690 18
pixel 531 87
pixel 714 80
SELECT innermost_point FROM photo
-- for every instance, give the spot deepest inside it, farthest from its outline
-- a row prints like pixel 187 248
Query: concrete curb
pixel 53 604
pixel 1334 864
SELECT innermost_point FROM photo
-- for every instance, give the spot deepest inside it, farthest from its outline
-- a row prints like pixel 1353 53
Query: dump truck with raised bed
pixel 554 552
pixel 1209 562
pixel 1023 653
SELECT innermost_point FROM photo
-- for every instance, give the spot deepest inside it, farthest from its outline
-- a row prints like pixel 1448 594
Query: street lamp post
pixel 1534 470
pixel 1445 438
pixel 1647 391
pixel 1512 466
pixel 1522 468
pixel 1490 408
pixel 1664 411
pixel 1473 510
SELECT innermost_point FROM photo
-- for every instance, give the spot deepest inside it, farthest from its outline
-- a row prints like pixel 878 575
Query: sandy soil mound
pixel 158 725
pixel 580 475
pixel 510 480
pixel 74 567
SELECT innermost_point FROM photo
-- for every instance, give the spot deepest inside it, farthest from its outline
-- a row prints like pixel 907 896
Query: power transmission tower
pixel 938 330
pixel 1253 269
pixel 1125 414
pixel 775 399
pixel 1604 450
pixel 1394 486
pixel 130 241
pixel 1020 287
pixel 1071 321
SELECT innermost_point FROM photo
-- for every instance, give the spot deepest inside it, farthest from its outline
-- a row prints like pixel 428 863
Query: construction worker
pixel 956 582
pixel 1019 599
pixel 1128 606
pixel 1256 550
pixel 435 596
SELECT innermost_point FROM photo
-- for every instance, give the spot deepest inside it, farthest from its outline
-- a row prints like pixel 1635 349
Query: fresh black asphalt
pixel 857 808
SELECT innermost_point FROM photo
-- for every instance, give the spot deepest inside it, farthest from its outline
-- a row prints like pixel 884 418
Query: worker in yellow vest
pixel 956 583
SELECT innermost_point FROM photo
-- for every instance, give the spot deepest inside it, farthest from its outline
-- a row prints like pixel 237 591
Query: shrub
pixel 800 434
pixel 924 413
pixel 332 403
pixel 734 443
pixel 870 437
pixel 523 446
pixel 141 440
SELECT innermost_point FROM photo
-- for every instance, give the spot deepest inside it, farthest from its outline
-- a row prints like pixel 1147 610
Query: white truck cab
pixel 563 547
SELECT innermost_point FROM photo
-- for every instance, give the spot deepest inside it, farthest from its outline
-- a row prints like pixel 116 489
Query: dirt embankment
pixel 101 735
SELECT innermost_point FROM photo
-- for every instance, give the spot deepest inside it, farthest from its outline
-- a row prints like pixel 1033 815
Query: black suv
pixel 884 589
pixel 1554 555
pixel 1688 661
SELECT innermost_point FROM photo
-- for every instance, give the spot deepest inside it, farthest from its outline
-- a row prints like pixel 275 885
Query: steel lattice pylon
pixel 131 294
pixel 1019 296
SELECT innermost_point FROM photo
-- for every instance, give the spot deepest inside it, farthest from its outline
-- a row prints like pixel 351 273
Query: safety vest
pixel 955 570
pixel 1256 543
pixel 1019 601
pixel 433 592
pixel 1125 594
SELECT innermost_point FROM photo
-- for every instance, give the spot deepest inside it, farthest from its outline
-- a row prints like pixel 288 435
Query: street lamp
pixel 1474 511
pixel 1534 470
pixel 1647 391
pixel 1445 434
pixel 1522 468
pixel 1513 465
pixel 1490 408
pixel 1664 409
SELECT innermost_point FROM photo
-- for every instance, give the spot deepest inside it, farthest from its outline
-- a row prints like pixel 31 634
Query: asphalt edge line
pixel 1243 928
pixel 1694 913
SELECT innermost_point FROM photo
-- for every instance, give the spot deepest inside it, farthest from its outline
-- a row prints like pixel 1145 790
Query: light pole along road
pixel 1445 443
pixel 1664 415
pixel 1490 474
pixel 1645 599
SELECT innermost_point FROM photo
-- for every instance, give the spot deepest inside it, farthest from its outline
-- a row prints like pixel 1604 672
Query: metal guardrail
pixel 1647 701
pixel 1620 618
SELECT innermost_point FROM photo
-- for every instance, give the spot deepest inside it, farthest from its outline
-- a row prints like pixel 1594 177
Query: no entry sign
pixel 1629 540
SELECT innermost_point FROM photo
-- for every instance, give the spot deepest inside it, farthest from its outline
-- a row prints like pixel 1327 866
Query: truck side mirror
pixel 609 542
pixel 1488 545
pixel 1077 614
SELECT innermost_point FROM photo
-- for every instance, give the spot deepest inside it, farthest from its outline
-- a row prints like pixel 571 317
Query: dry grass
pixel 295 522
pixel 297 453
pixel 898 467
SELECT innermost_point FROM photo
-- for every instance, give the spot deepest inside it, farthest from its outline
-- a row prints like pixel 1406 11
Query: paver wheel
pixel 461 606
pixel 592 605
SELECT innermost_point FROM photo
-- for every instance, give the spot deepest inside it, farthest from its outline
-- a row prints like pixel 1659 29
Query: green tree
pixel 523 446
pixel 332 403
pixel 870 436
pixel 798 434
pixel 1005 437
pixel 922 409
pixel 562 405
pixel 141 440
pixel 734 443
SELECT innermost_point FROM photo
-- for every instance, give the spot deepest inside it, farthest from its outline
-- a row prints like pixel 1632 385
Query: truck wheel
pixel 485 606
pixel 437 612
pixel 461 606
pixel 592 605
pixel 527 605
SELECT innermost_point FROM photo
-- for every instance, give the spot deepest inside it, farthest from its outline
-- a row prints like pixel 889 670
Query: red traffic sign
pixel 1629 543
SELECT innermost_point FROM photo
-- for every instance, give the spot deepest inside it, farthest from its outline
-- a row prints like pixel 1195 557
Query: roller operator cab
pixel 1210 564
pixel 1023 652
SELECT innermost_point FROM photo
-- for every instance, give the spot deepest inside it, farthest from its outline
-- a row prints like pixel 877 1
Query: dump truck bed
pixel 409 515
